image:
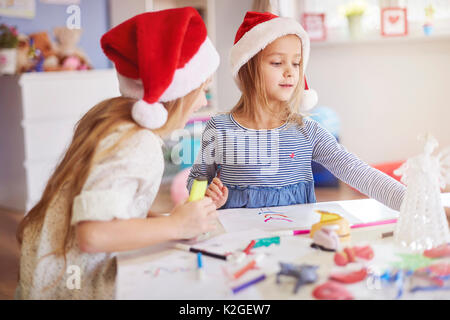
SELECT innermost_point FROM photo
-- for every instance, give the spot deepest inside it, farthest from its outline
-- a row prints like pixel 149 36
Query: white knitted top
pixel 121 186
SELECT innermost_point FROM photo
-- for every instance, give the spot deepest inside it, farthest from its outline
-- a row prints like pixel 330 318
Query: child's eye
pixel 276 64
pixel 296 65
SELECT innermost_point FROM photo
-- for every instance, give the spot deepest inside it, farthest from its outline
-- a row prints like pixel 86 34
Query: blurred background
pixel 381 69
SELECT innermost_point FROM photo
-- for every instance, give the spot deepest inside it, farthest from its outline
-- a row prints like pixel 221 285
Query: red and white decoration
pixel 394 22
pixel 160 56
pixel 256 32
pixel 314 24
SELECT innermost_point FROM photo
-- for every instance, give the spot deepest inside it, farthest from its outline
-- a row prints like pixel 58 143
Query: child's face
pixel 281 67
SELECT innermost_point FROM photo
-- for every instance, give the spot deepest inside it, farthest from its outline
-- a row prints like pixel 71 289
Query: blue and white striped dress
pixel 264 168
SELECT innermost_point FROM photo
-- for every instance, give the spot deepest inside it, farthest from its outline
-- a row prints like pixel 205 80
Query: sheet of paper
pixel 172 274
pixel 280 218
pixel 369 210
pixel 175 277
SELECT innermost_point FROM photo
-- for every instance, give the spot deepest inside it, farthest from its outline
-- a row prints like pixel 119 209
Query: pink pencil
pixel 290 232
pixel 359 225
pixel 374 223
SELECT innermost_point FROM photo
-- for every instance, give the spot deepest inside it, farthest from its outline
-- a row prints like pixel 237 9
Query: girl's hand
pixel 194 218
pixel 217 192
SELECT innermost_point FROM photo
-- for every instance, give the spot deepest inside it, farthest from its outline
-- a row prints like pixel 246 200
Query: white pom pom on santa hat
pixel 309 100
pixel 149 115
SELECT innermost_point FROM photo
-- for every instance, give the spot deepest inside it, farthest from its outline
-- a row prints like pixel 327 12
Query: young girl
pixel 97 201
pixel 260 153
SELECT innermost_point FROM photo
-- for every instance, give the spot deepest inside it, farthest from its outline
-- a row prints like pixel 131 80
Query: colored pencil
pixel 248 284
pixel 200 266
pixel 355 226
pixel 374 223
pixel 196 250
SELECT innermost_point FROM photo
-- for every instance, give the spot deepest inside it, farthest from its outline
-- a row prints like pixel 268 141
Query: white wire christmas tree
pixel 422 223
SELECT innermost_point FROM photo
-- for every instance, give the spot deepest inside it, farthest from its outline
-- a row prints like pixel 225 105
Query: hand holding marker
pixel 198 191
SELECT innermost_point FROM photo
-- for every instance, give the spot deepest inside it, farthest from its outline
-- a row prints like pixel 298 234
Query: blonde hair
pixel 254 94
pixel 73 170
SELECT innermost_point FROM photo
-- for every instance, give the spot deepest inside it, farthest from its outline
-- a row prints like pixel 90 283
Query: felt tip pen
pixel 250 246
pixel 200 273
pixel 290 232
pixel 184 247
pixel 354 226
pixel 248 284
pixel 198 189
pixel 374 223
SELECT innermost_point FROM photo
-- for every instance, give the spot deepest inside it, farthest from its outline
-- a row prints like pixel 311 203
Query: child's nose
pixel 289 71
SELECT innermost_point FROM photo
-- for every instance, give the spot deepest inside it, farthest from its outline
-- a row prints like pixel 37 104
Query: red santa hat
pixel 160 56
pixel 256 32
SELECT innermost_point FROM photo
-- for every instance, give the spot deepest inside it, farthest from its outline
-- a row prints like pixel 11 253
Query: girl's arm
pixel 186 221
pixel 352 170
pixel 123 235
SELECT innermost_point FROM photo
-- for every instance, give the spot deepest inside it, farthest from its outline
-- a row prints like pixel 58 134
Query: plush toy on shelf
pixel 70 56
pixel 38 53
pixel 422 222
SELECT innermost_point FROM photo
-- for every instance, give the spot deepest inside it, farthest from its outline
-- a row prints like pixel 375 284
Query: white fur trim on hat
pixel 130 88
pixel 309 100
pixel 201 66
pixel 261 35
pixel 149 115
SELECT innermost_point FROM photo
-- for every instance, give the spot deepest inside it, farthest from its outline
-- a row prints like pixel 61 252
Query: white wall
pixel 386 93
pixel 229 16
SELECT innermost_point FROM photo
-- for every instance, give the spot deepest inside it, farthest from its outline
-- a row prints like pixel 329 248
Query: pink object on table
pixel 364 252
pixel 374 223
pixel 326 239
pixel 350 277
pixel 441 251
pixel 359 225
pixel 440 269
pixel 332 291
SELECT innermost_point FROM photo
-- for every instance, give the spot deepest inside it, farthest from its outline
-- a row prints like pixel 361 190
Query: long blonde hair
pixel 74 168
pixel 254 94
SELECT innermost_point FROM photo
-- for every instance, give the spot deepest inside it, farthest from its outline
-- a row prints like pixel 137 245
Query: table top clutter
pixel 262 263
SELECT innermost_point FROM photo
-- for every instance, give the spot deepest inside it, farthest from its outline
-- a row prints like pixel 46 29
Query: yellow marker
pixel 198 189
pixel 328 218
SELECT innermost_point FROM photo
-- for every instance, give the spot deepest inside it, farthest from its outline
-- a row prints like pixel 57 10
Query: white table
pixel 160 272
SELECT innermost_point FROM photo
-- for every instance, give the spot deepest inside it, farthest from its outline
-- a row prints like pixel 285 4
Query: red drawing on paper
pixel 268 217
pixel 273 215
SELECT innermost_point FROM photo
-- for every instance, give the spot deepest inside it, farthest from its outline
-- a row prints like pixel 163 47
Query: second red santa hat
pixel 160 56
pixel 260 29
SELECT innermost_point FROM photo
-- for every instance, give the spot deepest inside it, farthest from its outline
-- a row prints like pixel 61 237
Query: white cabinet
pixel 38 113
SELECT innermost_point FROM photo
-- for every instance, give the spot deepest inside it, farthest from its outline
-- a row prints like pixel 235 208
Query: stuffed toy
pixel 41 41
pixel 71 57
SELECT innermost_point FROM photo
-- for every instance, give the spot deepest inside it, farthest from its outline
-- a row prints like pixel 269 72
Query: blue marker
pixel 200 266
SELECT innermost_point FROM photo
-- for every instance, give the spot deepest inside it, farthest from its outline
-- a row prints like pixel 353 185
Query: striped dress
pixel 264 168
